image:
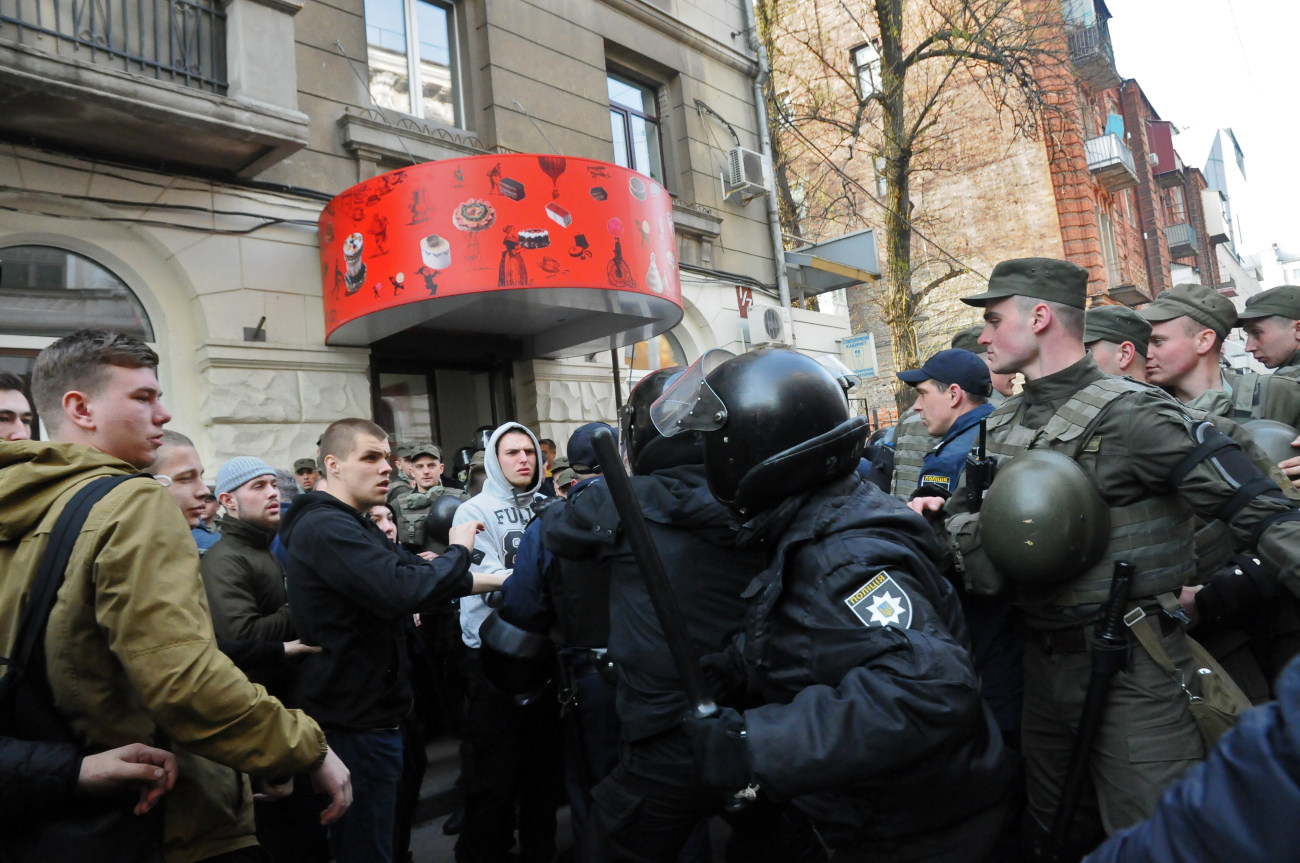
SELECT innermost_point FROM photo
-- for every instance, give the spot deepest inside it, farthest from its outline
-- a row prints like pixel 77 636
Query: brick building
pixel 1101 184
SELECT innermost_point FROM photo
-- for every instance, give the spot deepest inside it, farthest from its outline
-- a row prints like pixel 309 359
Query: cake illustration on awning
pixel 568 256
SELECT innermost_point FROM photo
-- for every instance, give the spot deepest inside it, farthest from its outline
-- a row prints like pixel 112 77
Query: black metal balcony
pixel 1181 238
pixel 207 85
pixel 1092 56
pixel 179 41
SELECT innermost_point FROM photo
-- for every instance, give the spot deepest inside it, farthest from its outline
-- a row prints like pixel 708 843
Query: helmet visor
pixel 690 404
pixel 844 376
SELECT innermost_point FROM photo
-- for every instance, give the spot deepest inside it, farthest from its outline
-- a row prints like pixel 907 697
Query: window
pixel 661 352
pixel 46 291
pixel 413 62
pixel 634 122
pixel 866 67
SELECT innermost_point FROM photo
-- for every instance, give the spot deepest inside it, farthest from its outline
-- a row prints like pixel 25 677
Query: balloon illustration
pixel 553 167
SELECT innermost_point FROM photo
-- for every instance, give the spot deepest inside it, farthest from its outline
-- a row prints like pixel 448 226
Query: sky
pixel 1204 64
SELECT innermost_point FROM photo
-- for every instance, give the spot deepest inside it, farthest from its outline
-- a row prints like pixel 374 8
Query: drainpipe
pixel 765 145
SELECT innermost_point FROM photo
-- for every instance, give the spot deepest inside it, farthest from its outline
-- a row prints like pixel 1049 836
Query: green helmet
pixel 1273 437
pixel 1042 521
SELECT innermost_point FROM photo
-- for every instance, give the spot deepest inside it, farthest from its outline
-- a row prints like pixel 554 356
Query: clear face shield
pixel 844 376
pixel 690 404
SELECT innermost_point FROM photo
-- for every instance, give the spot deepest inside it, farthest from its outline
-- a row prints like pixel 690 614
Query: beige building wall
pixel 533 78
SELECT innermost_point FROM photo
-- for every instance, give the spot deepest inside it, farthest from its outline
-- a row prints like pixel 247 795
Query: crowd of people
pixel 850 646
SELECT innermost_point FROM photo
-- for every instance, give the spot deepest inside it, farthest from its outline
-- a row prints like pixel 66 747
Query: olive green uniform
pixel 1256 654
pixel 1289 369
pixel 1134 439
pixel 911 443
pixel 1249 395
pixel 410 512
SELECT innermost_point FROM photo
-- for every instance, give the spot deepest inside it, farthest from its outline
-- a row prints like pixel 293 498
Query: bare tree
pixel 868 97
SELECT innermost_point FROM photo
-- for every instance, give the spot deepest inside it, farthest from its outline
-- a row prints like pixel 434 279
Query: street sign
pixel 860 354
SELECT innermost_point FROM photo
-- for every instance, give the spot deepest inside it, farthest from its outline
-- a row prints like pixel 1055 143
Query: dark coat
pixel 351 590
pixel 36 779
pixel 872 721
pixel 245 585
pixel 697 544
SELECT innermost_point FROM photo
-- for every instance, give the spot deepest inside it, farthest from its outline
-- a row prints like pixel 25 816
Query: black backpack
pixel 86 830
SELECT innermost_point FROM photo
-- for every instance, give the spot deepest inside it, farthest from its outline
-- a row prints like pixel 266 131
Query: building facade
pixel 163 169
pixel 1098 182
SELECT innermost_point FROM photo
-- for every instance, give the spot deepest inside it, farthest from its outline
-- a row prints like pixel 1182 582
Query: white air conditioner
pixel 775 332
pixel 744 174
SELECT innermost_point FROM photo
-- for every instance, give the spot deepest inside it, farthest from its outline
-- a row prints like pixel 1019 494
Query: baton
pixel 652 570
pixel 1109 655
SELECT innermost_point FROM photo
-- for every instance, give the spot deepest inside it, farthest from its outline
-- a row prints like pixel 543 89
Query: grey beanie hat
pixel 240 470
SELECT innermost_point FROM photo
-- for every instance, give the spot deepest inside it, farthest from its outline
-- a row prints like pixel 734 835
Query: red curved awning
pixel 570 256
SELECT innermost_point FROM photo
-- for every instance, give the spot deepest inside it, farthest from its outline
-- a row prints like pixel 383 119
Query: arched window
pixel 51 292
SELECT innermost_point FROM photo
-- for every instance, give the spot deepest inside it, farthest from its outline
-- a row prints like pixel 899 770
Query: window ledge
pixel 367 135
pixel 696 220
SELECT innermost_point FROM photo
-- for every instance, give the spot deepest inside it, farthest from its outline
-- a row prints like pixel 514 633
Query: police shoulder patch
pixel 881 602
pixel 939 479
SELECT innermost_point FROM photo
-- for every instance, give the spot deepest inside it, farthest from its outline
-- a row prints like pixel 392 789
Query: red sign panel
pixel 552 226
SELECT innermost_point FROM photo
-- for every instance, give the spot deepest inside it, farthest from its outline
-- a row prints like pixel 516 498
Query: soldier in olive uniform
pixel 1272 324
pixel 1154 467
pixel 1188 326
pixel 1117 337
pixel 412 510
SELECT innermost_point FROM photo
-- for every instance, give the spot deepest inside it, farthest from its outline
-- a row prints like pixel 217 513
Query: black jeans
pixel 513 756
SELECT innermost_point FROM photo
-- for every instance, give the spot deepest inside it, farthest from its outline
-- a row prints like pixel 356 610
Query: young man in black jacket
pixel 351 590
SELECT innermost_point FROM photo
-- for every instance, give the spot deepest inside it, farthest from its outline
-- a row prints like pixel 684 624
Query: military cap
pixel 1283 301
pixel 404 450
pixel 1206 306
pixel 1041 278
pixel 969 340
pixel 564 477
pixel 304 464
pixel 424 448
pixel 478 459
pixel 1117 324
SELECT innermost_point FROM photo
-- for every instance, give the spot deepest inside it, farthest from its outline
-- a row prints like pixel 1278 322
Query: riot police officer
pixel 860 707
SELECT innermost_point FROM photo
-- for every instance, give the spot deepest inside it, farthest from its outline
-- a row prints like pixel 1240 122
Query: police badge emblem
pixel 881 602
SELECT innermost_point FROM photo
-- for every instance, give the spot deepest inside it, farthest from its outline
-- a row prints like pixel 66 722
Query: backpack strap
pixel 49 577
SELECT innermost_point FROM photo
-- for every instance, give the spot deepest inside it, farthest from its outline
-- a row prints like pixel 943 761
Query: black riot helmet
pixel 775 423
pixel 646 449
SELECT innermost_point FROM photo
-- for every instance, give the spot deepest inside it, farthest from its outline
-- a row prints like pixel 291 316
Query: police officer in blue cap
pixel 952 392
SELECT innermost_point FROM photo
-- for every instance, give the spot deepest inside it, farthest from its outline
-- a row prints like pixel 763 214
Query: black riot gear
pixel 775 423
pixel 647 450
pixel 441 512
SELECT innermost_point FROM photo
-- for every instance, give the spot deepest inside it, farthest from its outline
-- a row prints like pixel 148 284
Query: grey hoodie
pixel 506 511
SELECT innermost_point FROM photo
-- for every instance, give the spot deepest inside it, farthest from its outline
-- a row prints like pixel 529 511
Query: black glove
pixel 721 750
pixel 724 675
pixel 1233 596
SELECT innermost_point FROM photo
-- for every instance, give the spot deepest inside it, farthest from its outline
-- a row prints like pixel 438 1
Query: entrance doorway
pixel 441 405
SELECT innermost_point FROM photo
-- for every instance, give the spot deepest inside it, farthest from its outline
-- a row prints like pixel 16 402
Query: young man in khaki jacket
pixel 130 652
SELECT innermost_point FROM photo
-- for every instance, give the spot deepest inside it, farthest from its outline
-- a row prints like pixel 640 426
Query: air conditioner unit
pixel 744 175
pixel 776 329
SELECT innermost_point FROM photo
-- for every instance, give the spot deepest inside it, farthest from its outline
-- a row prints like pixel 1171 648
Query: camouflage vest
pixel 911 444
pixel 1155 535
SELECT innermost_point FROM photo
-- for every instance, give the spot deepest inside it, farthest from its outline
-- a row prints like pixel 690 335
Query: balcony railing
pixel 1111 162
pixel 178 41
pixel 1181 238
pixel 1092 56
